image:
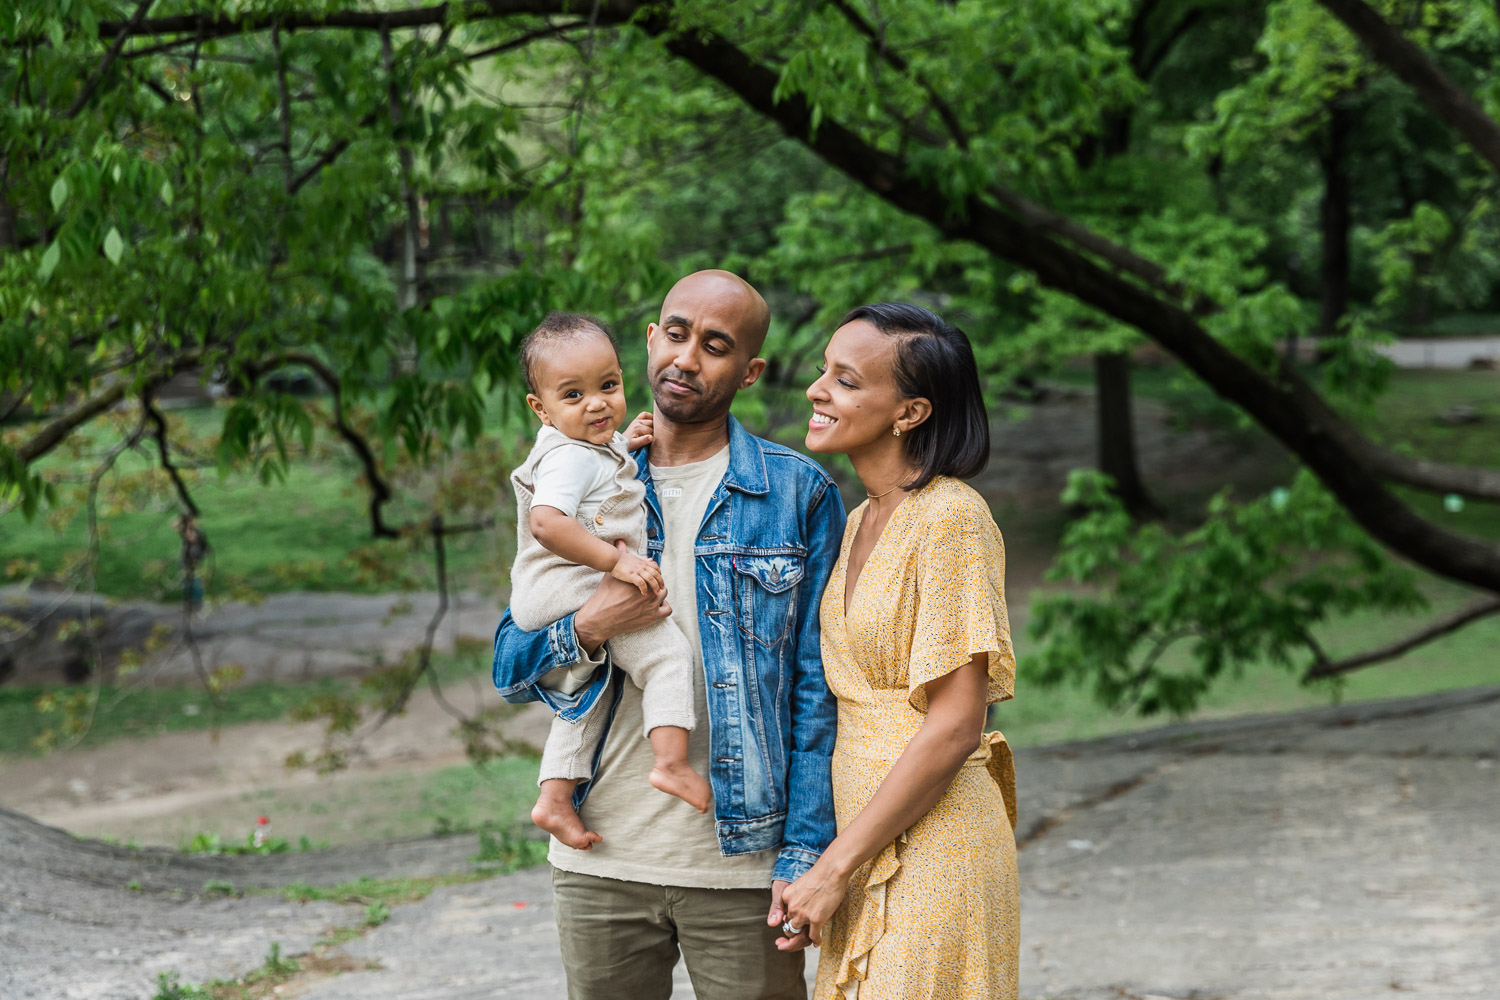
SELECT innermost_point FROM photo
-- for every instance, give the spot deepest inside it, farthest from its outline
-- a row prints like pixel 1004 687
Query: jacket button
pixel 598 518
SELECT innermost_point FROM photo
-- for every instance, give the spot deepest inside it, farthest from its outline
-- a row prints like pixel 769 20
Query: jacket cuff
pixel 792 863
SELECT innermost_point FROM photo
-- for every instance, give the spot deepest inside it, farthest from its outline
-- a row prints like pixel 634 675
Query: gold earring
pixel 896 431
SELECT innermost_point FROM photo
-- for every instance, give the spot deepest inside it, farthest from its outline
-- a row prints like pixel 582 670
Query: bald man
pixel 746 533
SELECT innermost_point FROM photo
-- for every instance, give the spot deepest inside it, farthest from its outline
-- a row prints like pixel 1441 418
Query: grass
pixel 1468 658
pixel 301 533
pixel 28 713
pixel 126 712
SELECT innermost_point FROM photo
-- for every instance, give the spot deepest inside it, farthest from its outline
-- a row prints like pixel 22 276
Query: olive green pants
pixel 621 939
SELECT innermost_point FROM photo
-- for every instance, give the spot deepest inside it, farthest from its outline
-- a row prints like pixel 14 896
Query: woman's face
pixel 855 400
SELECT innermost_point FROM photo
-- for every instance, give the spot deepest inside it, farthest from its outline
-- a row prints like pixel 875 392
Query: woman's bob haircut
pixel 934 360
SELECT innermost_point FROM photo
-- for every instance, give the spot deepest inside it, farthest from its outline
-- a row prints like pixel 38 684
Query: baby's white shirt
pixel 575 477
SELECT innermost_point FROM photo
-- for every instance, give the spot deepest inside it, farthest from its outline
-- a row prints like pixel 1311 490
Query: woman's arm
pixel 919 778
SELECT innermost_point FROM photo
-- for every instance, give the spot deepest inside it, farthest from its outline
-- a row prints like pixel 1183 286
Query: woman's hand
pixel 810 901
pixel 638 434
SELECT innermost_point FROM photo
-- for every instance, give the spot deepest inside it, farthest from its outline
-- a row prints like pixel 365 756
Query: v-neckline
pixel 851 591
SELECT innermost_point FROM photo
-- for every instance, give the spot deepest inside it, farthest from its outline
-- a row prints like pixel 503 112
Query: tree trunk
pixel 1116 433
pixel 1335 222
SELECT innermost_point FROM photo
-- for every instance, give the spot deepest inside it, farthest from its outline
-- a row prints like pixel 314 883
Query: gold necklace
pixel 877 496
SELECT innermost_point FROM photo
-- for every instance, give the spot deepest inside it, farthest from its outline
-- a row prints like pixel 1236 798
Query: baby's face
pixel 579 390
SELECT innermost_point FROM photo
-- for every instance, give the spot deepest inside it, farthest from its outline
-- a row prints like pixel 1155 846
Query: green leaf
pixel 49 261
pixel 114 245
pixel 166 192
pixel 59 193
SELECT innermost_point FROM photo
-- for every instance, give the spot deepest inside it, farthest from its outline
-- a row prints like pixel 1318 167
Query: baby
pixel 580 512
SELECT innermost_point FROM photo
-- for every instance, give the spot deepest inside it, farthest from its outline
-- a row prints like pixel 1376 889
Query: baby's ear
pixel 534 401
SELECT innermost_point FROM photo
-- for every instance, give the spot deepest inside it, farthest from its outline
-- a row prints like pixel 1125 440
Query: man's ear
pixel 753 371
pixel 914 413
pixel 534 401
pixel 651 329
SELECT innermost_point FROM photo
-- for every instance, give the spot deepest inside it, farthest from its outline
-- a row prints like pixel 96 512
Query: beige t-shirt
pixel 650 836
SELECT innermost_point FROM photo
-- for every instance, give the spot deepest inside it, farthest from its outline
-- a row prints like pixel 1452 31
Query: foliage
pixel 510 850
pixel 169 986
pixel 1248 585
pixel 370 891
pixel 382 211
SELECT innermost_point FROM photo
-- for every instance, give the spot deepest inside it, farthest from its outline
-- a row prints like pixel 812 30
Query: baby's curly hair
pixel 557 328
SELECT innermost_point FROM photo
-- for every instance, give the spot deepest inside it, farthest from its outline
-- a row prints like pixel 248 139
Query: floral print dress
pixel 936 914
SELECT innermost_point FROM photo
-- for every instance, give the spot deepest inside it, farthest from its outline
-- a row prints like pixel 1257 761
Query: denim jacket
pixel 768 541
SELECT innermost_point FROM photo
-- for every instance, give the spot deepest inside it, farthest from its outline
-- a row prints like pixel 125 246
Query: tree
pixel 962 137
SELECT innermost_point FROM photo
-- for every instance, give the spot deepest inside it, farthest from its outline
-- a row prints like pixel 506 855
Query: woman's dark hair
pixel 556 328
pixel 935 360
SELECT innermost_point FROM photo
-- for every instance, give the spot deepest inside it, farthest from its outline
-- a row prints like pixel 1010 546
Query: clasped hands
pixel 807 904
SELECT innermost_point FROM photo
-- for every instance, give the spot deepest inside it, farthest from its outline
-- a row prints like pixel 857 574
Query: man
pixel 746 533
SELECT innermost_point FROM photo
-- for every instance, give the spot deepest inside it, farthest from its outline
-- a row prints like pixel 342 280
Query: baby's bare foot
pixel 678 779
pixel 560 820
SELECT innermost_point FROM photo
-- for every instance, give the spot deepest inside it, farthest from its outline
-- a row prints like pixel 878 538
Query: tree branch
pixel 898 62
pixel 285 104
pixel 159 432
pixel 207 26
pixel 57 431
pixel 551 31
pixel 1324 668
pixel 1406 59
pixel 92 83
pixel 1286 406
pixel 380 491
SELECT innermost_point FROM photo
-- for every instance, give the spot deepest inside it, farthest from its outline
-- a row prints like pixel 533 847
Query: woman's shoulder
pixel 949 502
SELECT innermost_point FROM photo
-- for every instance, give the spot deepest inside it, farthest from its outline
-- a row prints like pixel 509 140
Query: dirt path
pixel 162 790
pixel 1343 852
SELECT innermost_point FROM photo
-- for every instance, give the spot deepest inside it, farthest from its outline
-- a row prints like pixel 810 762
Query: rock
pixel 1460 415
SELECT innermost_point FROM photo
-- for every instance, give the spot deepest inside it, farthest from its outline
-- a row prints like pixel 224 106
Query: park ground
pixel 1342 852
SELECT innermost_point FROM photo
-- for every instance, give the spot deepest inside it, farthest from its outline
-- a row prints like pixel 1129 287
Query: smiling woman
pixel 917 896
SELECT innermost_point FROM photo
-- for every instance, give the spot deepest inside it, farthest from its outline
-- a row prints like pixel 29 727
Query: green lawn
pixel 1468 658
pixel 298 534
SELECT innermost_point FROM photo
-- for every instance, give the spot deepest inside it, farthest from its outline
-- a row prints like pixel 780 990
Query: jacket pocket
pixel 768 595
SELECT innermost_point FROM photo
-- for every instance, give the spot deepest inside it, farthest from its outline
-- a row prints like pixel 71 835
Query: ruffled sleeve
pixel 960 612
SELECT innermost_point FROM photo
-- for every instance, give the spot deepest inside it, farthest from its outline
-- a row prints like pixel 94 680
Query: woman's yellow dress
pixel 936 914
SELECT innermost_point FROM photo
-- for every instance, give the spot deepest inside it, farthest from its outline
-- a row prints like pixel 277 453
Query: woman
pixel 917 896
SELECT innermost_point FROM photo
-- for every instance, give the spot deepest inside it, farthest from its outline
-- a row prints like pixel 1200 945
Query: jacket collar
pixel 747 462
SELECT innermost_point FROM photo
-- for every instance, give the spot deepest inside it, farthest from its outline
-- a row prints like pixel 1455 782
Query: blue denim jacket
pixel 768 541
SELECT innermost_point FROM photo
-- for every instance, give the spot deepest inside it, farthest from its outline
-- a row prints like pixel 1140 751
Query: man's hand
pixel 615 608
pixel 778 914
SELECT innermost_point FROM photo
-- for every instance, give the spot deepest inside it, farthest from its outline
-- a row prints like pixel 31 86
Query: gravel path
pixel 1342 852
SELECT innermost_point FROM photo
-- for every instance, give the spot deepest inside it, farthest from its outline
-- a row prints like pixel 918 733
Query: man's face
pixel 703 350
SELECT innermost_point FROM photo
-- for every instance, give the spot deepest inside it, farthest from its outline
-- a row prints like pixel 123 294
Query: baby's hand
pixel 638 434
pixel 641 573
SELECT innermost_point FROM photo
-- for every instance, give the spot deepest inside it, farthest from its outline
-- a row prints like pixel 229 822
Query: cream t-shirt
pixel 650 836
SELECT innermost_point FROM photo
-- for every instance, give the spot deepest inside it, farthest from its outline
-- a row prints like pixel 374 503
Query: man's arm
pixel 523 658
pixel 810 824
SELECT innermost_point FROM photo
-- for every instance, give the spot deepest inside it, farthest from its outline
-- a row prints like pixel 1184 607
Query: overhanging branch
pixel 54 433
pixel 380 491
pixel 1286 406
pixel 1416 68
pixel 207 26
pixel 1325 668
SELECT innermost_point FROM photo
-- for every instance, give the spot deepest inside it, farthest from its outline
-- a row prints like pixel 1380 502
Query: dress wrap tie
pixel 995 756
